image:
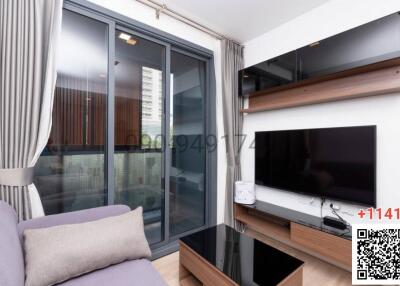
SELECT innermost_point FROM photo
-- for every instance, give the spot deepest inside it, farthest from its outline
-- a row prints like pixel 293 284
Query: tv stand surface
pixel 299 230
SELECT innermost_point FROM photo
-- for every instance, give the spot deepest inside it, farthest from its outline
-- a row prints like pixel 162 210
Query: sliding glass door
pixel 70 172
pixel 129 126
pixel 138 157
pixel 187 169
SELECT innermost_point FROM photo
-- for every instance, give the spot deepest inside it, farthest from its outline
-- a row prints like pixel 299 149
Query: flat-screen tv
pixel 337 163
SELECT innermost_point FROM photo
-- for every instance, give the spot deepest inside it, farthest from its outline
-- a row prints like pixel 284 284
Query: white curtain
pixel 232 62
pixel 29 31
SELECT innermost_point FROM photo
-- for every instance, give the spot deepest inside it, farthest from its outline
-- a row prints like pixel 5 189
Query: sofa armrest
pixel 72 218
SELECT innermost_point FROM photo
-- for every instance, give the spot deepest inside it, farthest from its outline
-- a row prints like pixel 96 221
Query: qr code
pixel 376 254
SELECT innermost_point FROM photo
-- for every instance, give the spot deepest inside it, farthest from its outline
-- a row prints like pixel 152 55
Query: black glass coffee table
pixel 222 256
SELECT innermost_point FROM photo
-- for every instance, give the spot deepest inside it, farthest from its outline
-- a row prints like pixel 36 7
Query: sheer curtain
pixel 232 62
pixel 28 40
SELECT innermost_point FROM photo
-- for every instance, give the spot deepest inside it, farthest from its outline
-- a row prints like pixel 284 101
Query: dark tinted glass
pixel 275 72
pixel 332 162
pixel 373 42
pixel 367 44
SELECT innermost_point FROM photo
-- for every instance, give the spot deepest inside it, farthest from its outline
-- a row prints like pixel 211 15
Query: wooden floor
pixel 316 272
pixel 168 267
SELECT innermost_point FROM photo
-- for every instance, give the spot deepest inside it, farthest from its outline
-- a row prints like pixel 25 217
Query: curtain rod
pixel 162 8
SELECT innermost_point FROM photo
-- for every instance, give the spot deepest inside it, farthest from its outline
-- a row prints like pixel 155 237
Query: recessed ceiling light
pixel 131 42
pixel 314 44
pixel 124 36
pixel 245 76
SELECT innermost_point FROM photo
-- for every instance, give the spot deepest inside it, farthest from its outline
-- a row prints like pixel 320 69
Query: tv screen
pixel 336 163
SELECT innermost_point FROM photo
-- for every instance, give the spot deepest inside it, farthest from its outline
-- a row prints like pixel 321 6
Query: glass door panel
pixel 187 170
pixel 138 157
pixel 70 172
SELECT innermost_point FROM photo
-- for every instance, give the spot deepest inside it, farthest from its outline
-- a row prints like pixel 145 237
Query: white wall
pixel 384 111
pixel 146 15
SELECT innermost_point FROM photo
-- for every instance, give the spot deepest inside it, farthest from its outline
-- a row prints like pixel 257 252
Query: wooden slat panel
pixel 96 117
pixel 127 121
pixel 69 119
pixel 329 245
pixel 376 82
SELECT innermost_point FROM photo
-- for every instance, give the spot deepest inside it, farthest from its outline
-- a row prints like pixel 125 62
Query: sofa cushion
pixel 58 253
pixel 12 272
pixel 138 272
pixel 72 217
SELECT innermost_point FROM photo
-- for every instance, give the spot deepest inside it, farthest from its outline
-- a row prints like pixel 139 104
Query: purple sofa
pixel 12 266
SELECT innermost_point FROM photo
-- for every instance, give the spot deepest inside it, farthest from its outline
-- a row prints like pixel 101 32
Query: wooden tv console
pixel 299 230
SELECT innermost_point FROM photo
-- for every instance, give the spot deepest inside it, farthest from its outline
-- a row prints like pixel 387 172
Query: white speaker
pixel 245 193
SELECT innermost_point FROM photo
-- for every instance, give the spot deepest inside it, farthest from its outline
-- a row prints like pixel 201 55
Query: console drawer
pixel 321 242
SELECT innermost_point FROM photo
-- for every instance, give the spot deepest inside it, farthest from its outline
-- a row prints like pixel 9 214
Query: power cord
pixel 348 226
pixel 339 217
pixel 322 205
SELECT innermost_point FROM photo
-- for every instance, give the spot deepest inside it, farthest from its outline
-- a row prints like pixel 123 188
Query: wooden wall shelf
pixel 376 79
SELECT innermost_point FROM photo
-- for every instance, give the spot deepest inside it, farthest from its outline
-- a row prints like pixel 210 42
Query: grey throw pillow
pixel 56 254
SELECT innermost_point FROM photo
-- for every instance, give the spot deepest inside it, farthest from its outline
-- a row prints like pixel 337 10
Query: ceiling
pixel 242 20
